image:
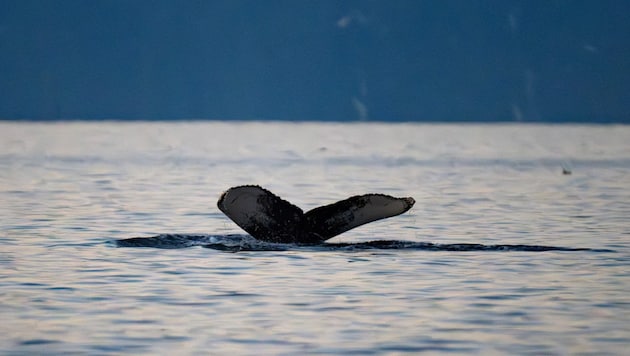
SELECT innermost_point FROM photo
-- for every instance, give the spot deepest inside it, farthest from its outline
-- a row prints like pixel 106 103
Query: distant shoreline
pixel 604 121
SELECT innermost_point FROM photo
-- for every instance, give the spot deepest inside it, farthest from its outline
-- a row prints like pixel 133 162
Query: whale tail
pixel 268 217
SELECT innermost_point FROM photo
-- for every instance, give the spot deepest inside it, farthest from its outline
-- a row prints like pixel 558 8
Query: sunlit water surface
pixel 68 190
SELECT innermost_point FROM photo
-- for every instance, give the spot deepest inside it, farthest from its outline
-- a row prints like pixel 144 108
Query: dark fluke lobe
pixel 268 217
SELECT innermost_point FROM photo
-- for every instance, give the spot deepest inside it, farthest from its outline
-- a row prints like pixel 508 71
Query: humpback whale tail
pixel 268 217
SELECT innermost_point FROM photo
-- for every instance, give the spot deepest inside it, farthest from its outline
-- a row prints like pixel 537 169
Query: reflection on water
pixel 70 189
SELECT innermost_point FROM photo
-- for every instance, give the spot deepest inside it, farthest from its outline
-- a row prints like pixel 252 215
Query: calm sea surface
pixel 69 190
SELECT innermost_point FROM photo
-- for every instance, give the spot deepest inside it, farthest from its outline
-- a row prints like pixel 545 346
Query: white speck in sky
pixel 354 17
pixel 590 48
pixel 359 106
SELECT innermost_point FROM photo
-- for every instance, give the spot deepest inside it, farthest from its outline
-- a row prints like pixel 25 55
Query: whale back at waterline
pixel 270 218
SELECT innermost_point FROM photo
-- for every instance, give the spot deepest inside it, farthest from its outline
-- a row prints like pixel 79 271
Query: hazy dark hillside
pixel 505 60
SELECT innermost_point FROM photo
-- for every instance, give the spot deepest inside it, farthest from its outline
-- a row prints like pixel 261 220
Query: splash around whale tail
pixel 268 217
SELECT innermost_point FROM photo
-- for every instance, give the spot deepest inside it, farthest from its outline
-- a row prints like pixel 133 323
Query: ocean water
pixel 69 191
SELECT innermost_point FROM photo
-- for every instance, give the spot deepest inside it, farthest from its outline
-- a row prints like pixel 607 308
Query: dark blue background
pixel 503 60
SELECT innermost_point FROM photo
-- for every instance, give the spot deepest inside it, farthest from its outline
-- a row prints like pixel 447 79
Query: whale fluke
pixel 268 217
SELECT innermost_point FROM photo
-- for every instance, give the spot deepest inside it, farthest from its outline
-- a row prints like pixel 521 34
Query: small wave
pixel 236 243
